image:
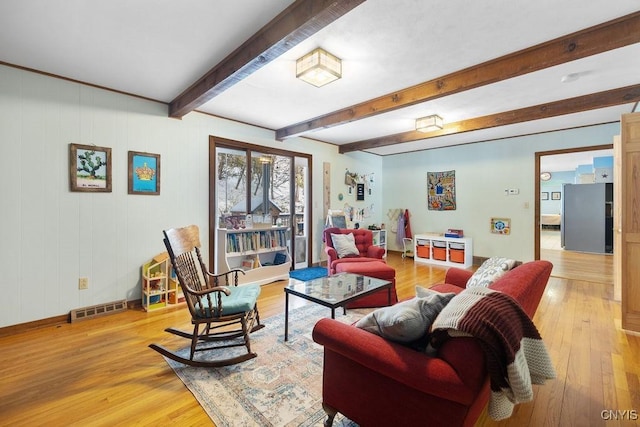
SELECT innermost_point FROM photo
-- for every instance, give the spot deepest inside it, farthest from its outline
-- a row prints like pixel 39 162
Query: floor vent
pixel 98 310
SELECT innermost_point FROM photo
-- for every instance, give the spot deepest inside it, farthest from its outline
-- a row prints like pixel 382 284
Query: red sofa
pixel 364 243
pixel 374 382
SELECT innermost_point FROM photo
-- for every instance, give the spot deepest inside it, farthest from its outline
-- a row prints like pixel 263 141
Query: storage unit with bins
pixel 380 239
pixel 445 251
pixel 262 253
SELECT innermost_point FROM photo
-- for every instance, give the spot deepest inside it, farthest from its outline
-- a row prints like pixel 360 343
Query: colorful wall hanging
pixel 441 191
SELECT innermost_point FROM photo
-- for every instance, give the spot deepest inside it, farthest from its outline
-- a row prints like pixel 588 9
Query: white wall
pixel 359 162
pixel 51 236
pixel 483 172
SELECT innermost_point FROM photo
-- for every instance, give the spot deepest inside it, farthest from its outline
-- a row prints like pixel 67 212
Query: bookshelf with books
pixel 262 253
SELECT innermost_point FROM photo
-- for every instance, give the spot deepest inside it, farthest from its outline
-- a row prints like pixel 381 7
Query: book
pixel 452 232
pixel 247 263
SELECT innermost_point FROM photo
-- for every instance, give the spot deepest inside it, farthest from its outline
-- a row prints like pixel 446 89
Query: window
pixel 255 185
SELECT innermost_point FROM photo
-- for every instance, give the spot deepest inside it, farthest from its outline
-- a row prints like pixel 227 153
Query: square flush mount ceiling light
pixel 318 68
pixel 429 123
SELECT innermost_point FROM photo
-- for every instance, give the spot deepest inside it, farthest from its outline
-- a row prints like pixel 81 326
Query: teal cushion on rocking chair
pixel 242 298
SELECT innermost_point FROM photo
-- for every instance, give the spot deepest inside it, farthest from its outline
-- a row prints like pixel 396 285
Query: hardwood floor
pixel 101 373
pixel 575 265
pixel 550 239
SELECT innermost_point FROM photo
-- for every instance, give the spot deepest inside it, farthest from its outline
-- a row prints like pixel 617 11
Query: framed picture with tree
pixel 89 168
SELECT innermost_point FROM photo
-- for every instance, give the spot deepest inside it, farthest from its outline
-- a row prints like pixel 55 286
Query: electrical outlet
pixel 83 283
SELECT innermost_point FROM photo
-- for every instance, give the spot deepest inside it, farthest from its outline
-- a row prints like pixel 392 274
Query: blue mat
pixel 308 273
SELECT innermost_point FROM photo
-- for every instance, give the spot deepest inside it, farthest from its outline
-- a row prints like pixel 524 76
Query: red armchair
pixel 364 243
pixel 373 381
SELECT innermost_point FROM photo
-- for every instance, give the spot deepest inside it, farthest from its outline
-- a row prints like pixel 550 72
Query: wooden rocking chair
pixel 227 311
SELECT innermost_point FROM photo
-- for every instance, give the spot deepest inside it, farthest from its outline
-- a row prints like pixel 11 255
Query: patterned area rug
pixel 280 387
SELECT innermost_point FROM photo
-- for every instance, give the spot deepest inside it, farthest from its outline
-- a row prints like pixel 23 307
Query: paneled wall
pixel 52 236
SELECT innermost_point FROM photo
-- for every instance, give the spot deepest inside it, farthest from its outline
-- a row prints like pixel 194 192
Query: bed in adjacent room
pixel 550 220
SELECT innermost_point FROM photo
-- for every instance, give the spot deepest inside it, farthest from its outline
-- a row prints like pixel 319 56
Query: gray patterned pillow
pixel 490 271
pixel 406 321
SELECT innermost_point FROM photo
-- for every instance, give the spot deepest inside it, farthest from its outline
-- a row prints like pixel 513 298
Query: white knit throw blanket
pixel 515 353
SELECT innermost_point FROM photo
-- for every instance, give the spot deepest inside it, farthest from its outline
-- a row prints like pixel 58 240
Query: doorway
pixel 260 186
pixel 554 169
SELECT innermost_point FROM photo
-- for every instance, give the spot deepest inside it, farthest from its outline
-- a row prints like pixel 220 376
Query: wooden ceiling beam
pixel 601 38
pixel 625 95
pixel 295 24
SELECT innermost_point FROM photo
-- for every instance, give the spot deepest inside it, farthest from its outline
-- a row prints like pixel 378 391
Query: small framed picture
pixel 89 168
pixel 144 173
pixel 544 195
pixel 359 191
pixel 555 195
pixel 501 225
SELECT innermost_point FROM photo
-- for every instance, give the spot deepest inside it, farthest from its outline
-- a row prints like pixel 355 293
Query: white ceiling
pixel 158 48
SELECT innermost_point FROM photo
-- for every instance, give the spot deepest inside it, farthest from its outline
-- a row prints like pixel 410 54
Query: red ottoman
pixel 377 269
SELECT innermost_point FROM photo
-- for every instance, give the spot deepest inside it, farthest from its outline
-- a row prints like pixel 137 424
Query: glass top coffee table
pixel 333 292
